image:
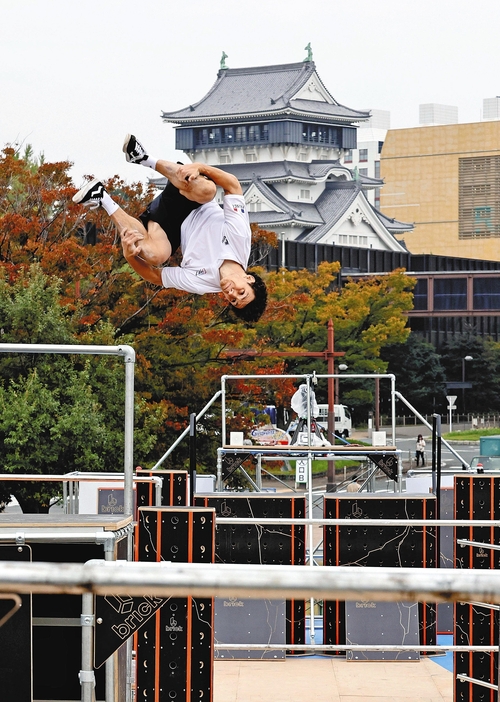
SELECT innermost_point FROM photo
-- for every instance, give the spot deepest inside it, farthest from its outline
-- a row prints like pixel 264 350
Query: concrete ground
pixel 325 679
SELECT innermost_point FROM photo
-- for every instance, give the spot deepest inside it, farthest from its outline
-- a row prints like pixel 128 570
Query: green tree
pixel 419 374
pixel 59 413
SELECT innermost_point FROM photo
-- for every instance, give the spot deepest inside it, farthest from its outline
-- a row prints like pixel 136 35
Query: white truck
pixel 343 420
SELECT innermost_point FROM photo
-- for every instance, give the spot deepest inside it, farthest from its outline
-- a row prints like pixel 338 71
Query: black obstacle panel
pixel 174 489
pixel 476 497
pixel 175 647
pixel 57 648
pixel 379 546
pixel 15 640
pixel 273 545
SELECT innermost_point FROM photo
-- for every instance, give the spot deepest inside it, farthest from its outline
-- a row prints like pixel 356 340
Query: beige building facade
pixel 446 180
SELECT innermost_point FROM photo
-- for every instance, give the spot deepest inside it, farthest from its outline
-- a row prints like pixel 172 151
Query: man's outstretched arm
pixel 131 239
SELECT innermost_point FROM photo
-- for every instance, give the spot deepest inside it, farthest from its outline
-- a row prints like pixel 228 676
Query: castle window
pixel 250 156
pixel 214 136
pixel 241 134
pixel 224 158
pixel 305 194
pixel 254 132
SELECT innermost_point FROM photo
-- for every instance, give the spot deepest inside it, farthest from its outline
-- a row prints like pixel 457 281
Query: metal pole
pixel 192 457
pixel 429 426
pixel 86 674
pixel 171 579
pixel 330 471
pixel 186 430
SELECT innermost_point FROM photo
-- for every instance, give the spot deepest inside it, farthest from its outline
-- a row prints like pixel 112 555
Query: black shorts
pixel 169 210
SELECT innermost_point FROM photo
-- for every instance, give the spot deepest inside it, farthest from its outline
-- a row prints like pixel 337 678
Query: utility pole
pixel 329 355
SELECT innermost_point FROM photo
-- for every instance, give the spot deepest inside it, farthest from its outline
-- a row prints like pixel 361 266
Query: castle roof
pixel 267 91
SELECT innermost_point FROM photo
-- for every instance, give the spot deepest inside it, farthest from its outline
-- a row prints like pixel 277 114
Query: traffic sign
pixel 451 401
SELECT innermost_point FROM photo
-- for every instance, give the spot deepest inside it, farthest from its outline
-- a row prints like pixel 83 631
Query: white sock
pixel 109 204
pixel 149 162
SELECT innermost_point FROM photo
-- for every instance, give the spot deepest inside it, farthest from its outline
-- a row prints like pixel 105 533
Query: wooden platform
pixel 53 521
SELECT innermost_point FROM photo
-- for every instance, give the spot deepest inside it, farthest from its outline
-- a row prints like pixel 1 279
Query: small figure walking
pixel 420 450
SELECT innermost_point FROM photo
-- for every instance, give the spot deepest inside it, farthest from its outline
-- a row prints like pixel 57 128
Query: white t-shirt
pixel 209 236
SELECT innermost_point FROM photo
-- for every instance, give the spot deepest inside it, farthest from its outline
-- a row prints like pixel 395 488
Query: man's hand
pixel 189 172
pixel 131 239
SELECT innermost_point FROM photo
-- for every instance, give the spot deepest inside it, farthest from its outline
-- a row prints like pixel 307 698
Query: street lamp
pixel 341 367
pixel 464 359
pixel 282 239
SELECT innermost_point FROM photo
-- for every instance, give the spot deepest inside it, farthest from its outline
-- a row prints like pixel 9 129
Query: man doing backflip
pixel 215 242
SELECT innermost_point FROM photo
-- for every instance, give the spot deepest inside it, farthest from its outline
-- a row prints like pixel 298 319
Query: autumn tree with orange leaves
pixel 68 262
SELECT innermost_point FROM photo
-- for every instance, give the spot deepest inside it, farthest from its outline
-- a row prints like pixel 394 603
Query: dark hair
pixel 254 310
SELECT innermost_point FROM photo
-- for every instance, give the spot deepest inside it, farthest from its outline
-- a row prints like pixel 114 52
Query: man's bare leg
pixel 153 245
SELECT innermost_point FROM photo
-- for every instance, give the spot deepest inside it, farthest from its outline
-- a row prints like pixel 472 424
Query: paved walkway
pixel 324 679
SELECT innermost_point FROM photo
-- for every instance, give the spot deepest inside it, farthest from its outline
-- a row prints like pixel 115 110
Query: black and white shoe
pixel 134 151
pixel 90 195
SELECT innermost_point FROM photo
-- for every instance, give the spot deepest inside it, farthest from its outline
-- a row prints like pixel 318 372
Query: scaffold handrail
pixel 169 579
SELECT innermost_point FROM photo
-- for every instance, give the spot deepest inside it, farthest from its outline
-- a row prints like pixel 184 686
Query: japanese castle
pixel 283 135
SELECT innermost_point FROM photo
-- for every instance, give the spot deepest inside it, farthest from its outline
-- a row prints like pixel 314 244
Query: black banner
pixel 232 462
pixel 387 462
pixel 117 618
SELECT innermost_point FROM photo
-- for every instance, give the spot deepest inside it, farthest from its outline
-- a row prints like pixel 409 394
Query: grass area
pixel 471 434
pixel 318 467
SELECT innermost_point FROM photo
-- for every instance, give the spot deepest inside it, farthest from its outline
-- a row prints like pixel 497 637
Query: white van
pixel 343 420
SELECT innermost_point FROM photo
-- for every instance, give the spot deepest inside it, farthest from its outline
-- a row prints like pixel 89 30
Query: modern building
pixel 446 180
pixel 366 158
pixel 309 169
pixel 432 113
pixel 281 132
pixel 491 108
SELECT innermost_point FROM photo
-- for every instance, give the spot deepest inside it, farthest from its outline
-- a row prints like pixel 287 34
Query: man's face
pixel 237 289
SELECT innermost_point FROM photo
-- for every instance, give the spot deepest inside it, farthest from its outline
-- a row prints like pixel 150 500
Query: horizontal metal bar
pixel 262 521
pixel 320 377
pixel 124 350
pixel 309 450
pixel 259 581
pixel 478 544
pixel 484 604
pixel 482 683
pixel 353 647
pixel 76 478
pixel 60 536
pixel 56 621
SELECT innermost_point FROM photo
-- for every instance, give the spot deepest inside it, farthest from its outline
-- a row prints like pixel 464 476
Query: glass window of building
pixel 486 293
pixel 363 154
pixel 420 294
pixel 450 293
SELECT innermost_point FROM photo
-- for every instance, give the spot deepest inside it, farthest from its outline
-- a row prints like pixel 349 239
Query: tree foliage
pixel 63 280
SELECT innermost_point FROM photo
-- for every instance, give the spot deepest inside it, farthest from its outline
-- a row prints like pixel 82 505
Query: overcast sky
pixel 75 77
